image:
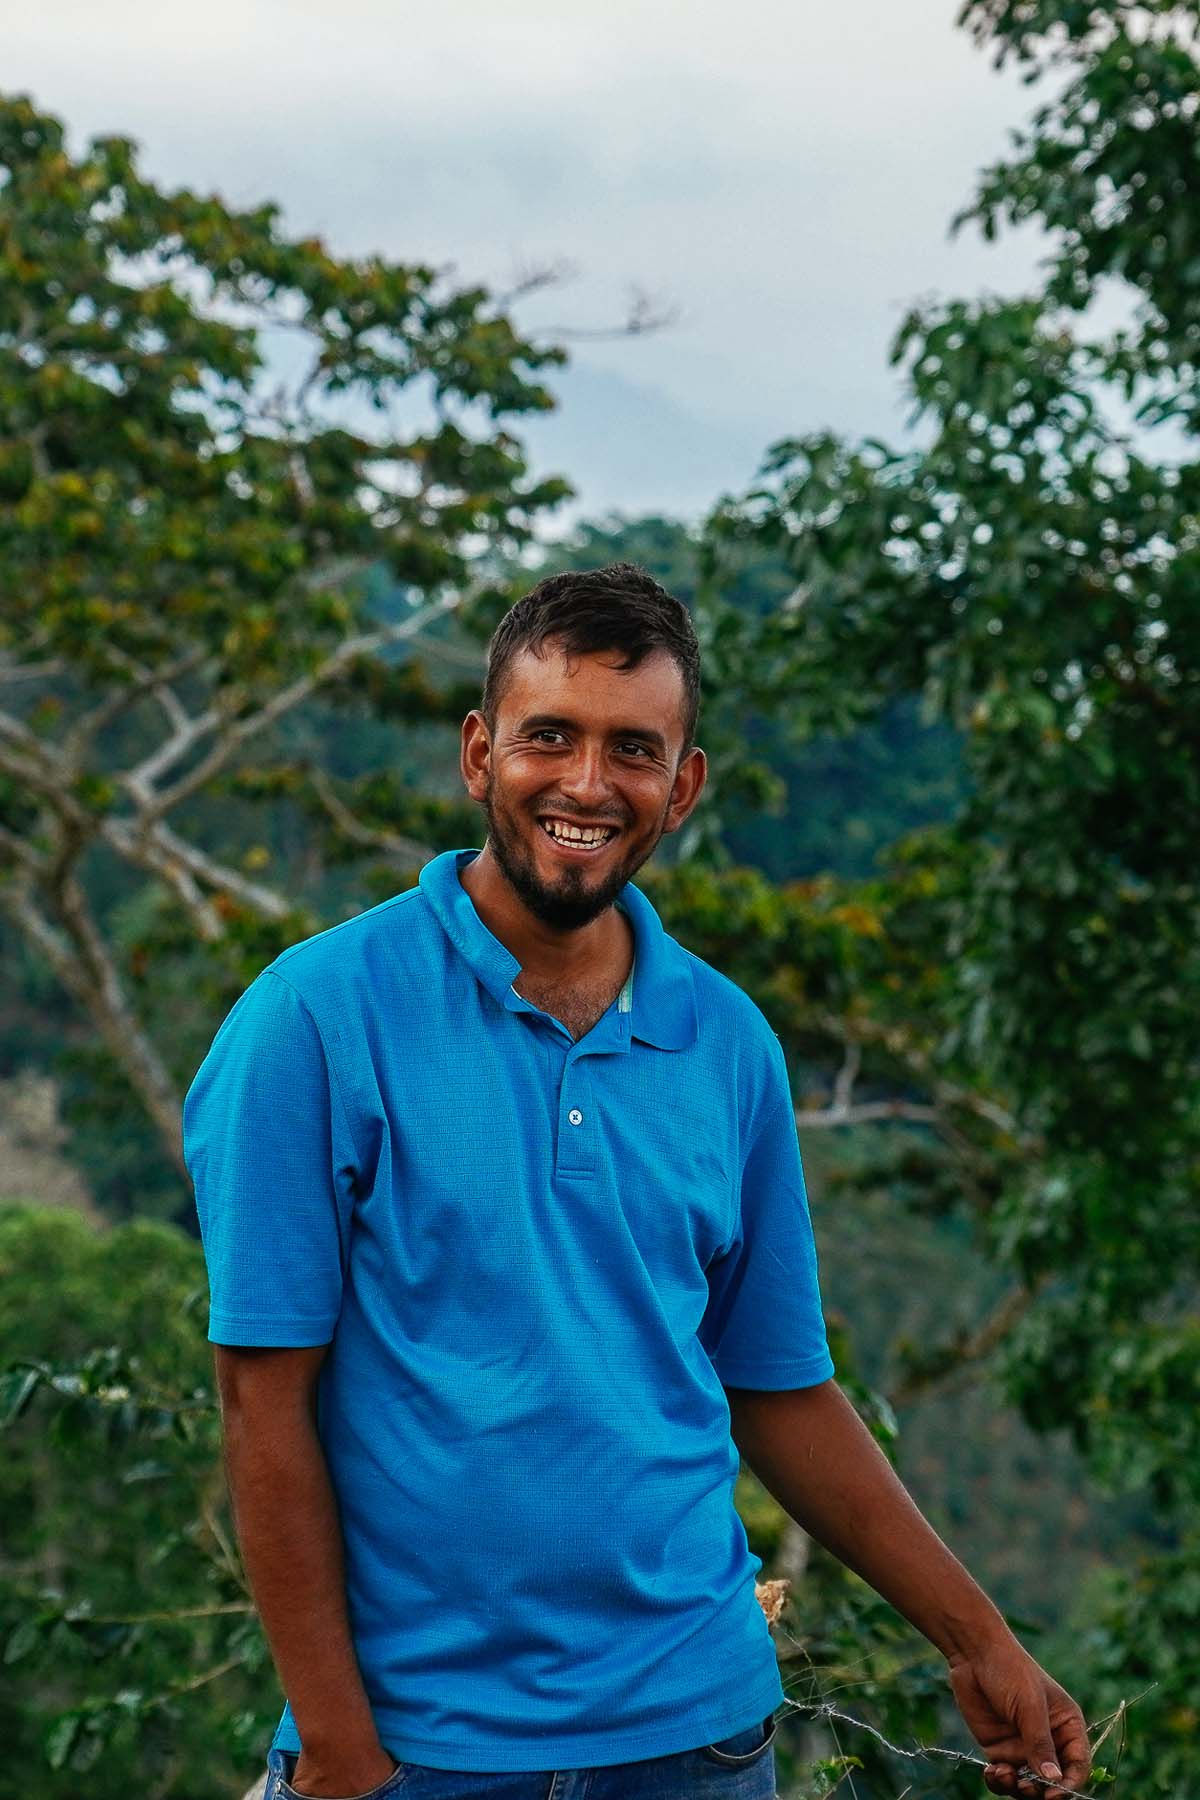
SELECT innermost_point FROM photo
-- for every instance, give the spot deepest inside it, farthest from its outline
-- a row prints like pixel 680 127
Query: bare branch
pixel 644 316
pixel 146 680
pixel 843 1087
pixel 22 852
pixel 73 947
pixel 474 661
pixel 112 1010
pixel 155 805
pixel 948 1362
pixel 45 755
pixel 31 671
pixel 162 852
pixel 404 848
pixel 45 777
pixel 531 278
pixel 869 1112
pixel 915 1057
pixel 17 898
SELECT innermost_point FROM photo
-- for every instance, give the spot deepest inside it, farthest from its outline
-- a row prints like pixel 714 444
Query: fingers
pixel 1000 1778
pixel 1033 1722
pixel 1020 1782
pixel 1076 1754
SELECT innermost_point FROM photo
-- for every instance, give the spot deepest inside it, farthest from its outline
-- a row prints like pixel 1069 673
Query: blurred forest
pixel 952 712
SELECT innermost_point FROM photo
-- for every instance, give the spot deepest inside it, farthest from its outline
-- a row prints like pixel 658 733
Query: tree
pixel 1031 573
pixel 207 446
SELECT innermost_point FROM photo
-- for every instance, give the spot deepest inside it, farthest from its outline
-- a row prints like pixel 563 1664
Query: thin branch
pixel 161 1618
pixel 44 778
pixel 188 1687
pixel 139 780
pixel 973 1348
pixel 900 1044
pixel 406 848
pixel 645 315
pixel 118 1393
pixel 22 852
pixel 868 1112
pixel 146 680
pixel 532 278
pixel 847 1075
pixel 161 851
pixel 46 756
pixel 31 671
pixel 16 897
pixel 473 660
pixel 91 976
pixel 227 1558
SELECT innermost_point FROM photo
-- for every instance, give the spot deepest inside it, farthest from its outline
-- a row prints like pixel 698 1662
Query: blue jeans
pixel 741 1767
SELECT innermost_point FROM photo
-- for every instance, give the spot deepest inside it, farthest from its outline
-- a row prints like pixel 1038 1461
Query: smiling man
pixel 510 1256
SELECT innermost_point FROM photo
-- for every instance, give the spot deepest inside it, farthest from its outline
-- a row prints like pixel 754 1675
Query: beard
pixel 576 897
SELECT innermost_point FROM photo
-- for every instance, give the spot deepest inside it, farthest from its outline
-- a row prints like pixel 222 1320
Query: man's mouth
pixel 577 841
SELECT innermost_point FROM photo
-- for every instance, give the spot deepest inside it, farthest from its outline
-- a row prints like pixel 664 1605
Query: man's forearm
pixel 810 1450
pixel 291 1543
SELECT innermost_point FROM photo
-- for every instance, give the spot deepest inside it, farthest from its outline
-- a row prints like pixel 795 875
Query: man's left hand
pixel 1023 1720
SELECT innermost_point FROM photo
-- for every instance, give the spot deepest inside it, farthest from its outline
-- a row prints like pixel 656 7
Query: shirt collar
pixel 664 1000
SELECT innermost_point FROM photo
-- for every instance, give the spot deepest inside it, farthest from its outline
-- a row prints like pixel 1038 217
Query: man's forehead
pixel 655 687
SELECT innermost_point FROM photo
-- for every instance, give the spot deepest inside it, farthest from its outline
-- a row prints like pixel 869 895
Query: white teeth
pixel 575 834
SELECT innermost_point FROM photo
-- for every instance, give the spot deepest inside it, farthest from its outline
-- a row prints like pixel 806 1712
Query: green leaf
pixel 22 1640
pixel 17 1387
pixel 61 1737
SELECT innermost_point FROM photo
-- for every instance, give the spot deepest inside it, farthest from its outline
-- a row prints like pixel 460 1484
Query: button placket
pixel 576 1150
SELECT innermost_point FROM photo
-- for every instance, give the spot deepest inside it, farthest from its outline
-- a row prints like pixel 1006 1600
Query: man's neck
pixel 544 954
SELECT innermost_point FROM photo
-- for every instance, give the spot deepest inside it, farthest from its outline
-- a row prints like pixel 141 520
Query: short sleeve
pixel 267 1144
pixel 763 1325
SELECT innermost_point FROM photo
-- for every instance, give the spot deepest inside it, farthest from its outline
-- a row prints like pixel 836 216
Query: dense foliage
pixel 1031 571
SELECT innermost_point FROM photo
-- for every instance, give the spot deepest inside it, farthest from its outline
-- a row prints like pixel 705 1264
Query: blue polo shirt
pixel 535 1261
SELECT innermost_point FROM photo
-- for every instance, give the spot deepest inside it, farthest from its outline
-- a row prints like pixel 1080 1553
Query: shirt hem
pixel 551 1750
pixel 774 1375
pixel 268 1329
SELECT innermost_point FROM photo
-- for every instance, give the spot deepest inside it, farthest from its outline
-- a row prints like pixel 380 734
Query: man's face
pixel 580 744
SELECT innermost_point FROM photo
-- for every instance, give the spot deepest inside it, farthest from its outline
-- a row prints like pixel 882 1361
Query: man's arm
pixel 291 1542
pixel 810 1450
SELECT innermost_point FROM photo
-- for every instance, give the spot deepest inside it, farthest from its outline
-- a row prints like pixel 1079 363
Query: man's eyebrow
pixel 536 721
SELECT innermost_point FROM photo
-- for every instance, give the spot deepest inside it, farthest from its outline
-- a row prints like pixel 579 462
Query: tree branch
pixel 139 781
pixel 146 680
pixel 162 852
pixel 947 1361
pixel 353 828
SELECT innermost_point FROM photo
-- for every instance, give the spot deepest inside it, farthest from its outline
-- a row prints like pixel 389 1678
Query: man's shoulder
pixel 720 1001
pixel 397 930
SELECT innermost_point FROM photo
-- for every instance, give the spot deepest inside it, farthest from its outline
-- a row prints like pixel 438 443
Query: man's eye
pixel 551 731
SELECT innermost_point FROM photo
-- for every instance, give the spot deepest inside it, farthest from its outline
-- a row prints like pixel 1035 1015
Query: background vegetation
pixel 952 705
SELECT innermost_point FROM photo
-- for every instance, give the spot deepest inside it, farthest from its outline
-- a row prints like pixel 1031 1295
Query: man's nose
pixel 586 779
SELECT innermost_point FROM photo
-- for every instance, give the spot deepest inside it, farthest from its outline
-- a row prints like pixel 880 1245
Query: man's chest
pixel 577 1006
pixel 486 1147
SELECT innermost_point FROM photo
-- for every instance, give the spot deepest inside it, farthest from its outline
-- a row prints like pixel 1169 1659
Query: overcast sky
pixel 782 173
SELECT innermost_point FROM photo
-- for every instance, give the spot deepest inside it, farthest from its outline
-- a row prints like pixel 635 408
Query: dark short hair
pixel 618 607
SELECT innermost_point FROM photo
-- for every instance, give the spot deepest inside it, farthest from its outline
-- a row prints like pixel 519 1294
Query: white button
pixel 575 1116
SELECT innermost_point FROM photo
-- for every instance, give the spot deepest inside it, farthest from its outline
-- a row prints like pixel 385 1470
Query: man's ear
pixel 474 759
pixel 690 778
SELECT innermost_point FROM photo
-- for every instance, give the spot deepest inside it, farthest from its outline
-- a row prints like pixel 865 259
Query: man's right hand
pixel 342 1776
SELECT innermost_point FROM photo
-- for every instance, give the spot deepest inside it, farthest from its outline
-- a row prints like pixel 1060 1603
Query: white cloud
pixel 784 173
